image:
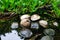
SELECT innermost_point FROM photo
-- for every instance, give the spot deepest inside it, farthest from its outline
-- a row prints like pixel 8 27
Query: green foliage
pixel 24 6
pixel 56 6
pixel 21 6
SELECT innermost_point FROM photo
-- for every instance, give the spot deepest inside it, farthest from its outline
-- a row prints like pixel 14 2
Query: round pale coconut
pixel 43 23
pixel 35 17
pixel 26 16
pixel 55 23
pixel 25 23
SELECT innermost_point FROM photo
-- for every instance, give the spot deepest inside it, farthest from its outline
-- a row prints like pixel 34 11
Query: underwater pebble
pixel 35 17
pixel 25 33
pixel 25 23
pixel 47 38
pixel 26 16
pixel 14 25
pixel 43 23
pixel 50 32
pixel 34 25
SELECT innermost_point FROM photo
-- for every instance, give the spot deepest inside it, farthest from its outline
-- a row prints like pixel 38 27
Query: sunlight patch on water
pixel 11 36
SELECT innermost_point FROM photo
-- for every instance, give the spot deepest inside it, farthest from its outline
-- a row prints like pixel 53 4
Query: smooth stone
pixel 14 25
pixel 25 33
pixel 55 23
pixel 47 38
pixel 25 23
pixel 26 16
pixel 34 25
pixel 50 32
pixel 43 23
pixel 35 17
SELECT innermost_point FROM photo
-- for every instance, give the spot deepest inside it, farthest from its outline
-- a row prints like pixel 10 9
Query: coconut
pixel 26 16
pixel 34 25
pixel 55 23
pixel 43 23
pixel 25 23
pixel 35 17
pixel 50 32
pixel 26 33
pixel 14 25
pixel 47 38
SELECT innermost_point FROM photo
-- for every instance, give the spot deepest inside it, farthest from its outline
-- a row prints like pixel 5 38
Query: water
pixel 7 32
pixel 13 35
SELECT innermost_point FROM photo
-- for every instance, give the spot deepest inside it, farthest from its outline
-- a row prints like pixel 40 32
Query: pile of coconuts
pixel 35 28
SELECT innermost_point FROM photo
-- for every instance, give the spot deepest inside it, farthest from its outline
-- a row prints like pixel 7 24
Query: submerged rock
pixel 50 32
pixel 55 23
pixel 26 16
pixel 25 23
pixel 14 25
pixel 25 33
pixel 47 38
pixel 43 23
pixel 35 17
pixel 34 25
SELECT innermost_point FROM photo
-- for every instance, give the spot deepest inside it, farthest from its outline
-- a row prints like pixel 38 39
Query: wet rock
pixel 35 17
pixel 47 38
pixel 25 33
pixel 34 25
pixel 25 23
pixel 26 16
pixel 50 32
pixel 55 23
pixel 43 23
pixel 14 25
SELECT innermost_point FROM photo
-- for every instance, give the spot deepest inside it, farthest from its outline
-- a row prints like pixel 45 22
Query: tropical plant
pixel 56 6
pixel 21 6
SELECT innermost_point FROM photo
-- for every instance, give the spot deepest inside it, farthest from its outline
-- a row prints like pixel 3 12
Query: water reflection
pixel 13 35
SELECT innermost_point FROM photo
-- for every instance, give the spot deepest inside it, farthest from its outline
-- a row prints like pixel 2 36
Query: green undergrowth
pixel 21 6
pixel 29 6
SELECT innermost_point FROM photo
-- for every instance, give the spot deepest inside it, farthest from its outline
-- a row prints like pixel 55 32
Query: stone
pixel 47 38
pixel 26 33
pixel 25 23
pixel 55 23
pixel 35 17
pixel 34 25
pixel 50 32
pixel 43 23
pixel 14 25
pixel 26 16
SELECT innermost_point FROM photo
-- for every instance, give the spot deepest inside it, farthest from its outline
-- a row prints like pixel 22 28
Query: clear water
pixel 13 35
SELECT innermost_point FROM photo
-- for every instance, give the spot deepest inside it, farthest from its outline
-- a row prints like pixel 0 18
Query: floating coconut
pixel 55 23
pixel 25 23
pixel 14 25
pixel 43 23
pixel 47 38
pixel 34 25
pixel 50 32
pixel 26 16
pixel 26 33
pixel 35 17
